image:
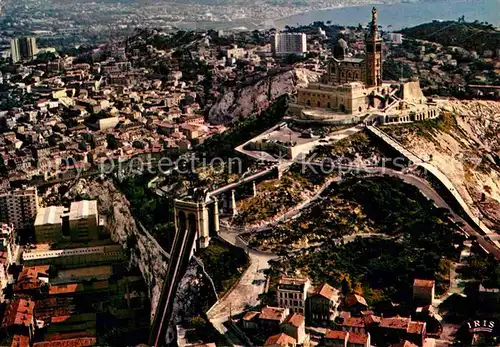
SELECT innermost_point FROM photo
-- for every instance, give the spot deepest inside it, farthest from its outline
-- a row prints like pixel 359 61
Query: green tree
pixel 138 144
pixel 395 70
pixel 346 285
pixel 112 142
pixel 3 168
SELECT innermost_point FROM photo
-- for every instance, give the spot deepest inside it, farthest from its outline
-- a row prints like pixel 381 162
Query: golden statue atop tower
pixel 374 15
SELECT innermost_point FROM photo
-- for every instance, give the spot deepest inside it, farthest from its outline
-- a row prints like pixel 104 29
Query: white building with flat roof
pixel 83 220
pixel 289 43
pixel 48 223
pixel 395 38
pixel 9 252
pixel 75 256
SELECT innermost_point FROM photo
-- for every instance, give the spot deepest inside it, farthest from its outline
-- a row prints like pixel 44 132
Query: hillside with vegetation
pixel 390 217
pixel 473 36
pixel 276 197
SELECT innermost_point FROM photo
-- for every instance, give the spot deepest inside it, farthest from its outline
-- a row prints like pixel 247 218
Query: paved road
pixel 451 188
pixel 395 144
pixel 351 238
pixel 247 290
pixel 425 188
pixel 431 194
pixel 243 181
pixel 490 246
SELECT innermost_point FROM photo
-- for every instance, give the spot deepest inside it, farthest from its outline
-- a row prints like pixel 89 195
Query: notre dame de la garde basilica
pixel 352 89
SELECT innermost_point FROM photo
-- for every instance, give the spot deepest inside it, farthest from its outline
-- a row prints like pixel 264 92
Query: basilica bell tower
pixel 373 58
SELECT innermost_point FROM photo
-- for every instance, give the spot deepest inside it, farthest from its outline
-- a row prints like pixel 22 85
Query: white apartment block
pixel 395 38
pixel 289 43
pixel 83 220
pixel 9 252
pixel 292 293
pixel 23 48
pixel 19 207
pixel 48 224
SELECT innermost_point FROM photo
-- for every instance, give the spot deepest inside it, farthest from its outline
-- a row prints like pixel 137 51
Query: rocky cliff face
pixel 466 147
pixel 241 102
pixel 145 252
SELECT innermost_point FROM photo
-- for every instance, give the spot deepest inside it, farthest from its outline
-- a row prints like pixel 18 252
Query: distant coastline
pixel 393 16
pixel 252 25
pixel 308 12
pixel 402 14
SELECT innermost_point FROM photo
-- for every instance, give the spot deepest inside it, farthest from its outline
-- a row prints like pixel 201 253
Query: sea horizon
pixel 400 15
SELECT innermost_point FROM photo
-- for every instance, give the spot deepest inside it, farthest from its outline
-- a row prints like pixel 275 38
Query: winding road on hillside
pixel 425 188
pixel 252 283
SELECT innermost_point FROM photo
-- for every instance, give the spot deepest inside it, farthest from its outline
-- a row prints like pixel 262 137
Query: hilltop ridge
pixel 474 36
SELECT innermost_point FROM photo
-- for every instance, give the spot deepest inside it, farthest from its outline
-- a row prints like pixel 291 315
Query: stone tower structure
pixel 193 217
pixel 373 58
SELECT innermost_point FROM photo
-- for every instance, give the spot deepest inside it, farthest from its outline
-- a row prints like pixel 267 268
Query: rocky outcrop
pixel 466 148
pixel 192 298
pixel 240 102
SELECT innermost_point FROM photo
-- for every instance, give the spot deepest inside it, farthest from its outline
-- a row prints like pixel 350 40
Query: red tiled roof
pixel 60 319
pixel 29 278
pixel 20 341
pixel 344 314
pixel 416 328
pixel 280 339
pixel 354 322
pixel 272 313
pixel 326 291
pixel 423 283
pixel 251 315
pixel 78 342
pixel 336 335
pixel 353 299
pixel 46 309
pixel 395 322
pixel 19 312
pixel 358 338
pixel 371 319
pixel 296 319
pixel 64 289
